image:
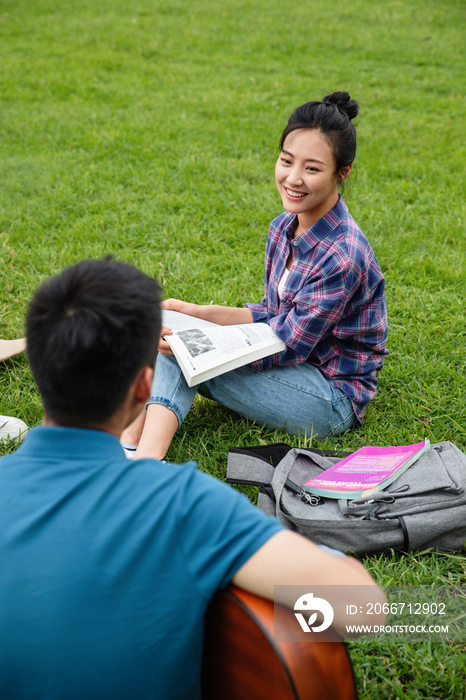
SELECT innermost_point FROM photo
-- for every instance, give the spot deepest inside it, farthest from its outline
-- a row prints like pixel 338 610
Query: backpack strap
pixel 255 465
pixel 405 532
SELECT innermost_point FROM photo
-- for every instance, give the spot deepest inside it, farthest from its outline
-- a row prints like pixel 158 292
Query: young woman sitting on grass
pixel 324 297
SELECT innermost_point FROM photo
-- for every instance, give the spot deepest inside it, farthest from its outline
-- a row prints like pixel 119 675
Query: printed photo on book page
pixel 218 343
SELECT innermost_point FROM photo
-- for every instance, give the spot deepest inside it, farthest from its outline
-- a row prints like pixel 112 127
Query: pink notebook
pixel 366 471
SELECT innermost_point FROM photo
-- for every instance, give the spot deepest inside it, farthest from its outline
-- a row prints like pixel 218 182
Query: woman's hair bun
pixel 344 103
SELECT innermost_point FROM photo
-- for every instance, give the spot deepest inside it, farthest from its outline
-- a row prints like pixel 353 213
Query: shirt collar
pixel 71 443
pixel 309 238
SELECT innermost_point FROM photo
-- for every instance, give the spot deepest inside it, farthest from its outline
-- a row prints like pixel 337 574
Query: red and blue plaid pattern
pixel 333 310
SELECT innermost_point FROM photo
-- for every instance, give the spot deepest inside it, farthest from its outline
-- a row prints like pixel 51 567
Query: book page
pixel 215 344
pixel 177 321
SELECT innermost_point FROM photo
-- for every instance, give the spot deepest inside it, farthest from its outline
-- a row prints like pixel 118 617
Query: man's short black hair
pixel 89 331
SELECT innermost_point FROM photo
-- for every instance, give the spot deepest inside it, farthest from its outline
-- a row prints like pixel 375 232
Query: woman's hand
pixel 164 348
pixel 223 315
pixel 184 307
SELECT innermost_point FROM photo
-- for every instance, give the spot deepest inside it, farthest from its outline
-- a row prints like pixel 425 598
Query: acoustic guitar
pixel 242 661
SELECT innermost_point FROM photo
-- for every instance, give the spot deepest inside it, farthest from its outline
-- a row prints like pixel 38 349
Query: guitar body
pixel 242 661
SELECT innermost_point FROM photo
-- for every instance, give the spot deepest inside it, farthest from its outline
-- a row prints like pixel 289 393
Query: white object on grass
pixel 12 428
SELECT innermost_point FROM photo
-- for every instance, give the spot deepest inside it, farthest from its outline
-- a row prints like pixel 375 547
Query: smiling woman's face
pixel 305 176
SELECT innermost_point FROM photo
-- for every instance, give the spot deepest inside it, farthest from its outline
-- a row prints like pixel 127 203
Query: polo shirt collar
pixel 309 238
pixel 72 443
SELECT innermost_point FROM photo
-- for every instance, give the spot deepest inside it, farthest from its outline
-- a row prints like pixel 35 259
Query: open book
pixel 204 349
pixel 366 471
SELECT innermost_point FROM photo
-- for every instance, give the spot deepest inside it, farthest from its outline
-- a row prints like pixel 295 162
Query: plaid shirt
pixel 333 308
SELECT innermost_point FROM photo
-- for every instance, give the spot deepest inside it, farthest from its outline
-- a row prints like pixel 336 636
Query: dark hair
pixel 333 118
pixel 89 331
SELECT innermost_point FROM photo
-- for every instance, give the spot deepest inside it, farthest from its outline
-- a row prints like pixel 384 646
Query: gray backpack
pixel 424 507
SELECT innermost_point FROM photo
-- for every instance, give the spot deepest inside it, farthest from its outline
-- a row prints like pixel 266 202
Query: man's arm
pixel 288 559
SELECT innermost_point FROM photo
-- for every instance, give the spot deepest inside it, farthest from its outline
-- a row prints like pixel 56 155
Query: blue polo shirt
pixel 107 567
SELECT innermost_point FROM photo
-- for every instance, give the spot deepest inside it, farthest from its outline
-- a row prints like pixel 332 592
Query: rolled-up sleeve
pixel 259 312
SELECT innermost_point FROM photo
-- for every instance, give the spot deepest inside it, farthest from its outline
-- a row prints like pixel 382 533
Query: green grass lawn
pixel 149 130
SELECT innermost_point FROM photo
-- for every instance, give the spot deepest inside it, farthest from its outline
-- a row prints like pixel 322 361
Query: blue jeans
pixel 297 398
